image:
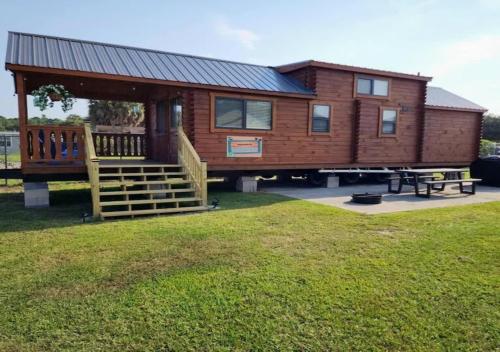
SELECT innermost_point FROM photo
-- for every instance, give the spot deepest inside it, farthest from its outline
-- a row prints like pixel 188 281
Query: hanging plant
pixel 45 96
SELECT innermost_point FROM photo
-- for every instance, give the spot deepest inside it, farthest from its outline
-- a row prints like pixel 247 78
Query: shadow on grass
pixel 67 207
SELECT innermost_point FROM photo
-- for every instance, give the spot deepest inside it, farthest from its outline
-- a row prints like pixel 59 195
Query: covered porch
pixel 60 150
pixel 148 168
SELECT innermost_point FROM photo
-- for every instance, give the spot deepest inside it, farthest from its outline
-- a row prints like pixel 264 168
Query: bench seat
pixel 431 185
pixel 433 182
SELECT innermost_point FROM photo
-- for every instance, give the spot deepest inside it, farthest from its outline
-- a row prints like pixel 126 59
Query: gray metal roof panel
pixel 79 55
pixel 440 97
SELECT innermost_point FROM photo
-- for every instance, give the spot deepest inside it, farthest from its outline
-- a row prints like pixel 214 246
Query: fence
pixel 10 154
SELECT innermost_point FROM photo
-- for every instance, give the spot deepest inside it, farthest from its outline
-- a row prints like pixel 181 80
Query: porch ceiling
pixel 93 88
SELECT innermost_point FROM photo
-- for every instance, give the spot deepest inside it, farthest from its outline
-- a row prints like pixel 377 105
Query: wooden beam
pixel 73 73
pixel 22 107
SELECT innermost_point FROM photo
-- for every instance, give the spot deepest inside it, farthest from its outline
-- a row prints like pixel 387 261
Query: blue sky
pixel 456 42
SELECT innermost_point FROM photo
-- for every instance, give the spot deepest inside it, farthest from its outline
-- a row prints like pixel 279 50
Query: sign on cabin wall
pixel 244 147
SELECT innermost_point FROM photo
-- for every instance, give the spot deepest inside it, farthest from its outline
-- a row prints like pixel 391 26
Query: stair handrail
pixel 92 163
pixel 193 165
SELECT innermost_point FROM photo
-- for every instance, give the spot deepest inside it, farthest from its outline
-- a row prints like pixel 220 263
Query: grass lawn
pixel 263 273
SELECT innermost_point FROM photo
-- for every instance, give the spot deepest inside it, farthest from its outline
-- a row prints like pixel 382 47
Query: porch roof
pixel 43 51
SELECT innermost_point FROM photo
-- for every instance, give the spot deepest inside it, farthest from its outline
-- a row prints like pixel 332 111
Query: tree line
pixel 101 112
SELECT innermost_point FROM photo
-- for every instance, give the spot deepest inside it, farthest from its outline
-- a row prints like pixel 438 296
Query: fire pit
pixel 367 198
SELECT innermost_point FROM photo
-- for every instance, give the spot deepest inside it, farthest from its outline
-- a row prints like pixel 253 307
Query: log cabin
pixel 210 117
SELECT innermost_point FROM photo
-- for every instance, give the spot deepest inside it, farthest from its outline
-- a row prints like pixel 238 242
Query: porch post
pixel 147 129
pixel 23 116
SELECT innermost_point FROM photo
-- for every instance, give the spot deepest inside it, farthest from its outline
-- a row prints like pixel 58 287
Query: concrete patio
pixel 341 197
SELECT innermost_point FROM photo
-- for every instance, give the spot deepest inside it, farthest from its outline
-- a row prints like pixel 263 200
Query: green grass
pixel 263 273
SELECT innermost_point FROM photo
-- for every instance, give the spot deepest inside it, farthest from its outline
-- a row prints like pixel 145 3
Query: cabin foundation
pixel 36 195
pixel 246 184
pixel 332 182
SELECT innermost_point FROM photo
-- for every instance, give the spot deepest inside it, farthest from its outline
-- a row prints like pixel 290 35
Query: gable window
pixel 160 117
pixel 372 86
pixel 235 113
pixel 388 121
pixel 320 118
pixel 175 112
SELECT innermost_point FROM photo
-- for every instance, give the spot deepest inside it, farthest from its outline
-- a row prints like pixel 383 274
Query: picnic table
pixel 415 177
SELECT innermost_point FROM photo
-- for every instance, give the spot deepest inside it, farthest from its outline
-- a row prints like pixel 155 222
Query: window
pixel 388 121
pixel 243 114
pixel 175 112
pixel 372 86
pixel 160 117
pixel 320 118
pixel 5 141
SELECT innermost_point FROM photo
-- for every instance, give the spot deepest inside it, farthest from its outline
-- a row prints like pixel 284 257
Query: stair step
pixel 171 181
pixel 143 174
pixel 151 211
pixel 150 201
pixel 116 166
pixel 159 191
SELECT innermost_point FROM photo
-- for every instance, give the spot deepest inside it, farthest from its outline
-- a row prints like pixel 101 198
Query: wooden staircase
pixel 128 188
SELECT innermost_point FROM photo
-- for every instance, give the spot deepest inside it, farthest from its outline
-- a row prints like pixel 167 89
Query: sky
pixel 457 42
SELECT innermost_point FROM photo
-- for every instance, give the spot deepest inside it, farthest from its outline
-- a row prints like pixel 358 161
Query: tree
pixel 491 127
pixel 486 148
pixel 74 120
pixel 116 113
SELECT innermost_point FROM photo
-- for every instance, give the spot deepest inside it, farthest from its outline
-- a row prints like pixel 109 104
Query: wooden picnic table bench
pixel 414 177
pixel 431 185
pixel 403 180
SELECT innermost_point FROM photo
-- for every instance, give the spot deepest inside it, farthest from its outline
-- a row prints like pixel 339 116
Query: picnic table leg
pixel 415 184
pixel 472 190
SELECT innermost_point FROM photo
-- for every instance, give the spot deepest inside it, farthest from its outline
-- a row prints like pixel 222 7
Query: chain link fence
pixel 10 154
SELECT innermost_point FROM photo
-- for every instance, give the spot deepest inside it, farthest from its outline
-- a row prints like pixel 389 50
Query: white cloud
pixel 245 37
pixel 463 53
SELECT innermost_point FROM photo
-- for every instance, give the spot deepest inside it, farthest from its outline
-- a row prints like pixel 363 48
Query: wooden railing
pixel 49 143
pixel 196 168
pixel 119 144
pixel 92 163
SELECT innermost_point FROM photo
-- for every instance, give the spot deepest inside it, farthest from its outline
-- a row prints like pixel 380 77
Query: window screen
pixel 175 112
pixel 364 86
pixel 321 118
pixel 258 115
pixel 389 120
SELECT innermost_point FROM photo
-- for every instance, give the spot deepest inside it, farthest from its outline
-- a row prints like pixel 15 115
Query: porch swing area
pixel 130 174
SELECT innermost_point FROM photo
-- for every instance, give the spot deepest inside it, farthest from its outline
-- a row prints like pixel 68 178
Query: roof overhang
pixel 319 64
pixel 159 82
pixel 451 108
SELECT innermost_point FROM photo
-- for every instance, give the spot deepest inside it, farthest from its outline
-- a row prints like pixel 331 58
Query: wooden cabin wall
pixel 451 136
pixel 355 122
pixel 408 97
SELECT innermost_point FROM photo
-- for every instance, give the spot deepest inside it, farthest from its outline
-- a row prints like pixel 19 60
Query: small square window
pixel 364 86
pixel 380 87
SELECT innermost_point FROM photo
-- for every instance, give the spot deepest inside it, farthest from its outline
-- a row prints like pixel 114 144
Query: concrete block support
pixel 36 194
pixel 332 182
pixel 246 184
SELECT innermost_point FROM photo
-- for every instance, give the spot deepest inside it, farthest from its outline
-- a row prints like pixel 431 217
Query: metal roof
pixel 439 97
pixel 329 65
pixel 79 55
